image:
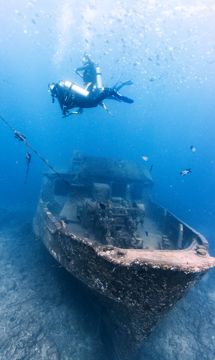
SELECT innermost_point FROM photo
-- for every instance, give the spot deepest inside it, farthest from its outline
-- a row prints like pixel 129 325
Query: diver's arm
pixel 78 112
pixel 80 69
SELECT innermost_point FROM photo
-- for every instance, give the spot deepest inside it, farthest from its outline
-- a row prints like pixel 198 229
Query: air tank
pixel 99 84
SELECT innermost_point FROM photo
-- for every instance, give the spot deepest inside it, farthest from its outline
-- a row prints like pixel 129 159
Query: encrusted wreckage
pixel 98 222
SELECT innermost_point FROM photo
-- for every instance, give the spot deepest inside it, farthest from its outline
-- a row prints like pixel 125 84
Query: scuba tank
pixel 73 87
pixel 99 84
pixel 79 90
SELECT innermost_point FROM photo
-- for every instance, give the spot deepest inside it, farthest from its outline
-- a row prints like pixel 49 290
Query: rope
pixel 19 136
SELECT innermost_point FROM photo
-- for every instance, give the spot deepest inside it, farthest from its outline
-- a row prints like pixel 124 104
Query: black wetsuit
pixel 89 72
pixel 69 99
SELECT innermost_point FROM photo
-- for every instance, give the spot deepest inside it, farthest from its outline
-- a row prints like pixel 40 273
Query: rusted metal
pixel 136 257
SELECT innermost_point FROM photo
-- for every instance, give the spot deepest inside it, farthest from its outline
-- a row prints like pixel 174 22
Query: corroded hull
pixel 134 287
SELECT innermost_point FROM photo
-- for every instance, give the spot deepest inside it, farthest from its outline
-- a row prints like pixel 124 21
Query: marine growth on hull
pixel 108 201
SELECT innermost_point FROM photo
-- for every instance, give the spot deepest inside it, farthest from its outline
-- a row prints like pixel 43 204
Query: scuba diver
pixel 71 96
pixel 90 73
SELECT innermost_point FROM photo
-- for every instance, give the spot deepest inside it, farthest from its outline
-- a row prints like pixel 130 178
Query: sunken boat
pixel 99 222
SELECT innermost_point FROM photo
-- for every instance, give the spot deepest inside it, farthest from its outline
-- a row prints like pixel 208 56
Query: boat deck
pixel 149 234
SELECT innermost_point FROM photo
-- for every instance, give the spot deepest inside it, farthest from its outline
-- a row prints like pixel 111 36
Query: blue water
pixel 167 48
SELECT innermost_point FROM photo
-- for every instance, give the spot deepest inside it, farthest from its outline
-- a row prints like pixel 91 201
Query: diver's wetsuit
pixel 69 99
pixel 111 93
pixel 89 73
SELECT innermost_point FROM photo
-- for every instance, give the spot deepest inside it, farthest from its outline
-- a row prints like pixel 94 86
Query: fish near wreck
pixel 137 258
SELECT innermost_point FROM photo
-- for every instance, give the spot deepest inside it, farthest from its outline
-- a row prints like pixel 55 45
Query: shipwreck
pixel 99 222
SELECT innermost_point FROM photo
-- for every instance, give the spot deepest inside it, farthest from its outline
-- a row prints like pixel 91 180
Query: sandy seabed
pixel 45 315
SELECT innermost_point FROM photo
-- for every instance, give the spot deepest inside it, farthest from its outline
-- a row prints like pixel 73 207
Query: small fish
pixel 28 161
pixel 19 136
pixel 145 158
pixel 151 167
pixel 147 233
pixel 193 148
pixel 185 172
pixel 28 157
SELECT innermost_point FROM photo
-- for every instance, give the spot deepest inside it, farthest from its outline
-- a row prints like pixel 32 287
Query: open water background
pixel 168 49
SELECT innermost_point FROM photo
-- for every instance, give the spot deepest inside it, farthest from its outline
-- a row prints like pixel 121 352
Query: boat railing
pixel 181 235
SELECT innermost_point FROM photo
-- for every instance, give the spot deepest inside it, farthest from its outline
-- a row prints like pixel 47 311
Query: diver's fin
pixel 126 100
pixel 119 86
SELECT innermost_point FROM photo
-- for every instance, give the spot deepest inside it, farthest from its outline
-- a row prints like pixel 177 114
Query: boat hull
pixel 133 291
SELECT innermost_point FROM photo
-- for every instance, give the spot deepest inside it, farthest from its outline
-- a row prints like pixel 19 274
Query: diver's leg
pixel 110 93
pixel 126 99
pixel 118 97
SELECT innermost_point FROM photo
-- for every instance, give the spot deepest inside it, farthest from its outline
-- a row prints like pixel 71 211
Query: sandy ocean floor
pixel 44 313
